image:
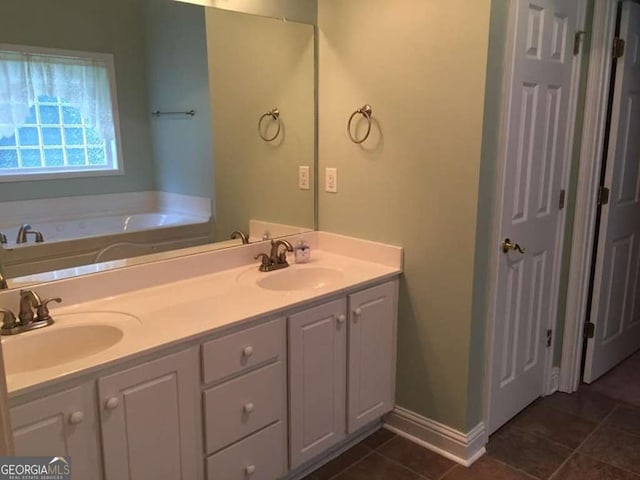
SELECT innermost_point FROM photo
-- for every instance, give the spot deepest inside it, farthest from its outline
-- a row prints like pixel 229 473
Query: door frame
pixel 550 382
pixel 591 154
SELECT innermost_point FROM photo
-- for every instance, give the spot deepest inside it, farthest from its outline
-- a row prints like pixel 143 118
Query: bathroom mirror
pixel 213 130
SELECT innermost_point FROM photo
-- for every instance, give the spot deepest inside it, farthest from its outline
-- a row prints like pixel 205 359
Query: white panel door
pixel 60 425
pixel 317 380
pixel 536 153
pixel 150 420
pixel 372 340
pixel 616 299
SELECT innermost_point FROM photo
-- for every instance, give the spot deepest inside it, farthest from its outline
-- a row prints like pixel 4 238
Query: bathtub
pixel 80 228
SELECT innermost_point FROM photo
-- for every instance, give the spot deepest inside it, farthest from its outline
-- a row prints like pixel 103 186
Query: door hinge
pixel 561 200
pixel 603 196
pixel 577 41
pixel 549 337
pixel 618 47
pixel 589 329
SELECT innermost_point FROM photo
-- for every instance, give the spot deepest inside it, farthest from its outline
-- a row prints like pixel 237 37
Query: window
pixel 57 114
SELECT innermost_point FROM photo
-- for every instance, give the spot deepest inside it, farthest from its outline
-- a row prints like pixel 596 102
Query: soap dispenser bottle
pixel 302 252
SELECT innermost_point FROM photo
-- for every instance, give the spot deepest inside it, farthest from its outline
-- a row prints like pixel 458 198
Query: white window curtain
pixel 82 82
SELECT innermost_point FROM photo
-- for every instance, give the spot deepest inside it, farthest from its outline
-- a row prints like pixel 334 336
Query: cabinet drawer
pixel 234 353
pixel 259 457
pixel 244 405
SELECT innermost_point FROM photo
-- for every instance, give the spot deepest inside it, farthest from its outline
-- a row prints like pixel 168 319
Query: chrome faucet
pixel 29 303
pixel 278 257
pixel 238 234
pixel 25 230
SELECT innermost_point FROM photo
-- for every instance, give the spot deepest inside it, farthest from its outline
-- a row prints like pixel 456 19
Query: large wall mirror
pixel 146 128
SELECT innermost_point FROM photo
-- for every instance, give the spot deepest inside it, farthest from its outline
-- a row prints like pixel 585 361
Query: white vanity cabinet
pixel 62 424
pixel 244 403
pixel 341 369
pixel 150 420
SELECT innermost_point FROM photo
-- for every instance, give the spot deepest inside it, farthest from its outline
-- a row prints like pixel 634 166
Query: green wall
pixel 415 181
pixel 177 68
pixel 90 25
pixel 486 200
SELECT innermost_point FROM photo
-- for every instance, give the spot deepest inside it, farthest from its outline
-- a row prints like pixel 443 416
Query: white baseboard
pixel 462 448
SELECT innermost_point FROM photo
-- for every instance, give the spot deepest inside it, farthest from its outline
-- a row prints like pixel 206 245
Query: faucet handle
pixel 266 260
pixel 43 311
pixel 8 319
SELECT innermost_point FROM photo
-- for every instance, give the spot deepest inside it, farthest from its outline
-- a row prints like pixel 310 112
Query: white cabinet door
pixel 317 380
pixel 151 421
pixel 372 341
pixel 60 425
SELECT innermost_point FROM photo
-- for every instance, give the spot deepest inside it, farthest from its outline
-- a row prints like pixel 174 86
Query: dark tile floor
pixel 593 434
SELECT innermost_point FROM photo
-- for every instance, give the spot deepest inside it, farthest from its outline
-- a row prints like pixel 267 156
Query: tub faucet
pixel 239 234
pixel 25 230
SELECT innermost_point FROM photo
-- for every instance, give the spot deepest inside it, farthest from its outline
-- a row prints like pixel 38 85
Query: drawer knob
pixel 247 351
pixel 357 312
pixel 341 318
pixel 250 470
pixel 249 407
pixel 76 417
pixel 112 403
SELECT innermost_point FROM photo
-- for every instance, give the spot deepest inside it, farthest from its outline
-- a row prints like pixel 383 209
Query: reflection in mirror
pixel 88 169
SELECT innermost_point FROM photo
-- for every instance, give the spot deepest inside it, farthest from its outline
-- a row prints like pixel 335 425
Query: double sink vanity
pixel 204 367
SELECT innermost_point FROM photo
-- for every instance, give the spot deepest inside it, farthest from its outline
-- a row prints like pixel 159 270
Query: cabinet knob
pixel 357 312
pixel 112 403
pixel 76 417
pixel 341 318
pixel 249 407
pixel 247 351
pixel 250 470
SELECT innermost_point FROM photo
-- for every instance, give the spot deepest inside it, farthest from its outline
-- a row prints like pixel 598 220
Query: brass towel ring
pixel 275 115
pixel 366 112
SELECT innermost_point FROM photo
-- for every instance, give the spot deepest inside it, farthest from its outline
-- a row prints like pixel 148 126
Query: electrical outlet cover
pixel 331 180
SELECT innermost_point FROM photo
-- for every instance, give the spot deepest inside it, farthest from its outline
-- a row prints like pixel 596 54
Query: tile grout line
pixel 403 466
pixel 576 450
pixel 441 477
pixel 368 454
pixel 517 469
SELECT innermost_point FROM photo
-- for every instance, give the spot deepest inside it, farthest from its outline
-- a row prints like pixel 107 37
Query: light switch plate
pixel 303 178
pixel 331 180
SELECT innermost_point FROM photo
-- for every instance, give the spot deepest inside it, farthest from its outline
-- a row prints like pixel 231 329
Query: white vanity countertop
pixel 192 308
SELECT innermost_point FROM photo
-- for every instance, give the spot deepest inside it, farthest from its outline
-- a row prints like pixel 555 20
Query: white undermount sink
pixel 78 335
pixel 293 278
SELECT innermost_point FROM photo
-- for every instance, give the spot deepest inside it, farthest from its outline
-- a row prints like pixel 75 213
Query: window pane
pixel 8 141
pixel 75 156
pixel 29 136
pixel 49 115
pixel 93 138
pixel 31 118
pixel 31 158
pixel 97 156
pixel 54 157
pixel 51 136
pixel 47 99
pixel 73 136
pixel 8 158
pixel 71 116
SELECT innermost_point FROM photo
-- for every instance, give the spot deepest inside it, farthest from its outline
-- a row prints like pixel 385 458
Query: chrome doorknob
pixel 507 245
